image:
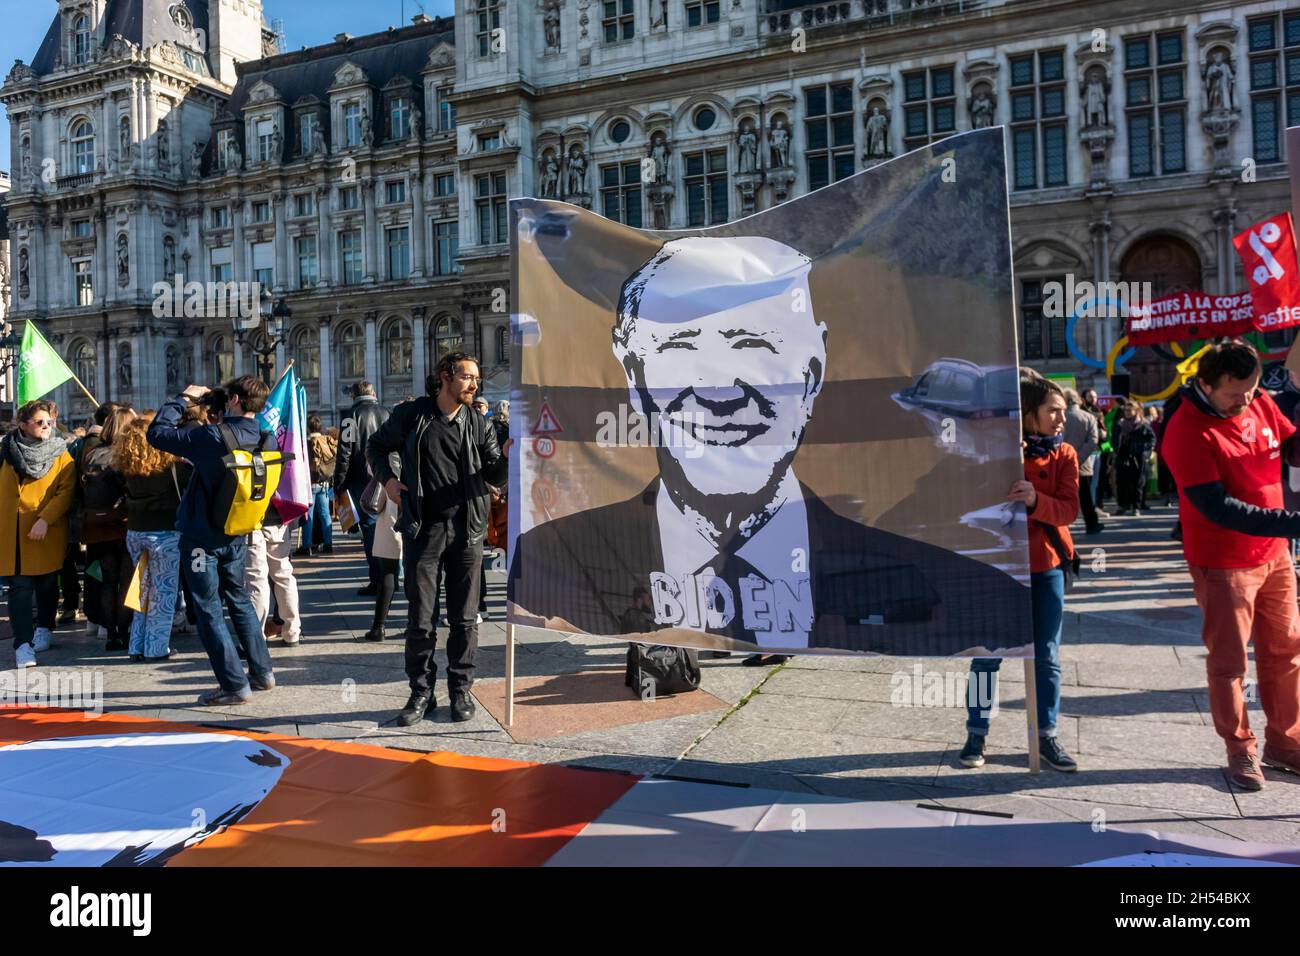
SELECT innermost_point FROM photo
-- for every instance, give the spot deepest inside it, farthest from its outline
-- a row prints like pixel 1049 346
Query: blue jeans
pixel 318 528
pixel 1047 595
pixel 367 522
pixel 216 577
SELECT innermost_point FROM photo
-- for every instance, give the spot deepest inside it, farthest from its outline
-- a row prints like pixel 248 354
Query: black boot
pixel 416 708
pixel 462 705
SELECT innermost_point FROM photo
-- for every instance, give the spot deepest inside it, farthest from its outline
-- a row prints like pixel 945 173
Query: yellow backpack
pixel 250 480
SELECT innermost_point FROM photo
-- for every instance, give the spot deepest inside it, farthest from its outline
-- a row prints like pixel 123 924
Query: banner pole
pixel 1031 714
pixel 510 674
pixel 93 401
pixel 288 365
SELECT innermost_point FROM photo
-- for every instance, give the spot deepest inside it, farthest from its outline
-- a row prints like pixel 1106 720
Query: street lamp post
pixel 10 346
pixel 273 321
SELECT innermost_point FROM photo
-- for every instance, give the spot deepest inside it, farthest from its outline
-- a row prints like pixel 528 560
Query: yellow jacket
pixel 21 503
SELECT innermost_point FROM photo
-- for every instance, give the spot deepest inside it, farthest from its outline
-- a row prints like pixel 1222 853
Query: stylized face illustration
pixel 718 338
pixel 126 799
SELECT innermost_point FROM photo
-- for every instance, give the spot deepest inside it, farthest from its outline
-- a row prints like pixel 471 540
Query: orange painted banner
pixel 88 791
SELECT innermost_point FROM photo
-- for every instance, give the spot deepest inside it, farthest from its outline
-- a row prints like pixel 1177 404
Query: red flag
pixel 1268 252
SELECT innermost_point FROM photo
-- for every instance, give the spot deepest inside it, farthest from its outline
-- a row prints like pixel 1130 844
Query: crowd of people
pixel 124 517
pixel 82 512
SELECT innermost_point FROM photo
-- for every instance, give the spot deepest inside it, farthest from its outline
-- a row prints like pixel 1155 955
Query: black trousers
pixel 1086 504
pixel 115 568
pixel 441 546
pixel 1129 485
pixel 34 595
pixel 69 578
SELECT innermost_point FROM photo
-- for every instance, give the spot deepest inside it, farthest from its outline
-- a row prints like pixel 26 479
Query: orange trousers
pixel 1235 603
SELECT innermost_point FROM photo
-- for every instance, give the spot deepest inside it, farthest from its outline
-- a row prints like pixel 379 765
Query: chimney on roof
pixel 342 37
pixel 421 18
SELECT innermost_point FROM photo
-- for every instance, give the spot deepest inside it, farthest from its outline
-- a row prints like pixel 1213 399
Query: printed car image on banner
pixel 792 432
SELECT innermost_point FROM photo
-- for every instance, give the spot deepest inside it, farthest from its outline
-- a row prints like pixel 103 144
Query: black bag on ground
pixel 655 670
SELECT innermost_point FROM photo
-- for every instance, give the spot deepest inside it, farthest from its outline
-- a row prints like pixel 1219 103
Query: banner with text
pixel 1190 315
pixel 793 432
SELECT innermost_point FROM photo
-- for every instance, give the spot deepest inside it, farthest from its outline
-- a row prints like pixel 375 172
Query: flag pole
pixel 93 401
pixel 288 366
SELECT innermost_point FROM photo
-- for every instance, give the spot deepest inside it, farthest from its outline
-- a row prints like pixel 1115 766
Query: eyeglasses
pixel 42 422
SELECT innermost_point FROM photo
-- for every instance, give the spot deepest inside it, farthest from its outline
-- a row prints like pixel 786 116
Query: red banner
pixel 1268 252
pixel 1190 315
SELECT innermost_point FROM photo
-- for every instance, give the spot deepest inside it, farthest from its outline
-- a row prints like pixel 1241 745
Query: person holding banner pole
pixel 1225 445
pixel 1050 494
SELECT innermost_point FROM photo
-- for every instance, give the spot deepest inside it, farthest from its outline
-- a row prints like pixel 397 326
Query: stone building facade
pixel 365 181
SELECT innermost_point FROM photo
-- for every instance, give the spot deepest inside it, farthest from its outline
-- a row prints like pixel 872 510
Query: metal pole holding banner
pixel 1031 714
pixel 510 674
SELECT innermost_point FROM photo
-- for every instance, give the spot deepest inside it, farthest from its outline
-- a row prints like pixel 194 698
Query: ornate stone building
pixel 365 181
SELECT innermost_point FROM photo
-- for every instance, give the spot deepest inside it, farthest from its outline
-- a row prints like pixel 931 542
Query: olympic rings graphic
pixel 1113 360
pixel 1073 346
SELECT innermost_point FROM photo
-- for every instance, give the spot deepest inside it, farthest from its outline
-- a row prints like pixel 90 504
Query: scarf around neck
pixel 1040 446
pixel 32 458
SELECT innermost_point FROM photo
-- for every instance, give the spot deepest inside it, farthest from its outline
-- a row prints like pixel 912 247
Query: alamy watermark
pixel 1094 300
pixel 41 687
pixel 949 688
pixel 179 299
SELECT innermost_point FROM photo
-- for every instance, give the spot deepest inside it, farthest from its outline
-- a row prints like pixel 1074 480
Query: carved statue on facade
pixel 234 157
pixel 196 159
pixel 169 257
pixel 367 133
pixel 747 150
pixel 164 150
pixel 123 261
pixel 551 21
pixel 550 176
pixel 660 152
pixel 277 143
pixel 877 134
pixel 417 123
pixel 1220 87
pixel 778 144
pixel 577 169
pixel 24 276
pixel 981 109
pixel 1094 99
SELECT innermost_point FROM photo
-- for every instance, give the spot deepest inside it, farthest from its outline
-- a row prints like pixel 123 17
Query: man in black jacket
pixel 351 474
pixel 448 457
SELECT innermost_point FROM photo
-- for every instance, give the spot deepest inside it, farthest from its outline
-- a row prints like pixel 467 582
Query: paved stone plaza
pixel 1134 711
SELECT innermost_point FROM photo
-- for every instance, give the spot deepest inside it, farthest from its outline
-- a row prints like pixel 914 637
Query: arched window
pixel 398 347
pixel 447 337
pixel 81 39
pixel 305 352
pixel 83 146
pixel 85 362
pixel 352 352
pixel 223 359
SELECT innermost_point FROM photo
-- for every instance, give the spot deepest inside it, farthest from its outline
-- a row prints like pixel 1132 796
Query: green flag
pixel 40 369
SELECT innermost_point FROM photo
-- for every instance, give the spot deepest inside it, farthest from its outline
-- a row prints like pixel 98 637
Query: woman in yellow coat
pixel 37 478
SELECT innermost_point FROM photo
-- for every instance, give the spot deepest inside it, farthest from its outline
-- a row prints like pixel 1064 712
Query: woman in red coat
pixel 1050 493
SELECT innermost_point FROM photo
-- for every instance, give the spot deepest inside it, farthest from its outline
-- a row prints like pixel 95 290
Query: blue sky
pixel 306 22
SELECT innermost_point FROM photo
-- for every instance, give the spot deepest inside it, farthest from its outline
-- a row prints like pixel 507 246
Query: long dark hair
pixel 1034 393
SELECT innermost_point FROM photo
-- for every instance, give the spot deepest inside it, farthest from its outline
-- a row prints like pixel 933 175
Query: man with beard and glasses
pixel 724 355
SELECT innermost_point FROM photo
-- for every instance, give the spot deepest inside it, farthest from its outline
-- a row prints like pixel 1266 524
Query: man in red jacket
pixel 1224 446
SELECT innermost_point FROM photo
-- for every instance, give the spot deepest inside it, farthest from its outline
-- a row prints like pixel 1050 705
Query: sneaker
pixel 478 618
pixel 1244 772
pixel 262 683
pixel 41 640
pixel 972 755
pixel 1050 749
pixel 416 707
pixel 220 698
pixel 24 656
pixel 1279 759
pixel 1102 514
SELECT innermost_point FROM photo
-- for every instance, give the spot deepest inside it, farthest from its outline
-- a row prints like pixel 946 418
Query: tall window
pixel 81 229
pixel 489 19
pixel 395 191
pixel 446 110
pixel 81 39
pixel 220 217
pixel 350 261
pixel 1274 77
pixel 305 351
pixel 444 184
pixel 1156 110
pixel 1038 123
pixel 225 137
pixel 265 138
pixel 308 274
pixel 1042 337
pixel 446 239
pixel 83 147
pixel 706 187
pixel 488 142
pixel 303 205
pixel 930 106
pixel 352 124
pixel 308 125
pixel 399 117
pixel 348 198
pixel 399 252
pixel 490 201
pixel 222 268
pixel 398 347
pixel 223 358
pixel 700 12
pixel 262 211
pixel 264 264
pixel 83 283
pixel 352 351
pixel 618 19
pixel 829 128
pixel 447 337
pixel 620 193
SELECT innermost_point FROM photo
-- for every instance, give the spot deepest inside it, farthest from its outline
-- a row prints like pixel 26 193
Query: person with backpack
pixel 155 483
pixel 37 478
pixel 212 554
pixel 103 530
pixel 1050 493
pixel 1134 443
pixel 317 527
pixel 352 475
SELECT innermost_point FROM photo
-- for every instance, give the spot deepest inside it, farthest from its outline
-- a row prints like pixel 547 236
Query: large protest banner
pixel 794 431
